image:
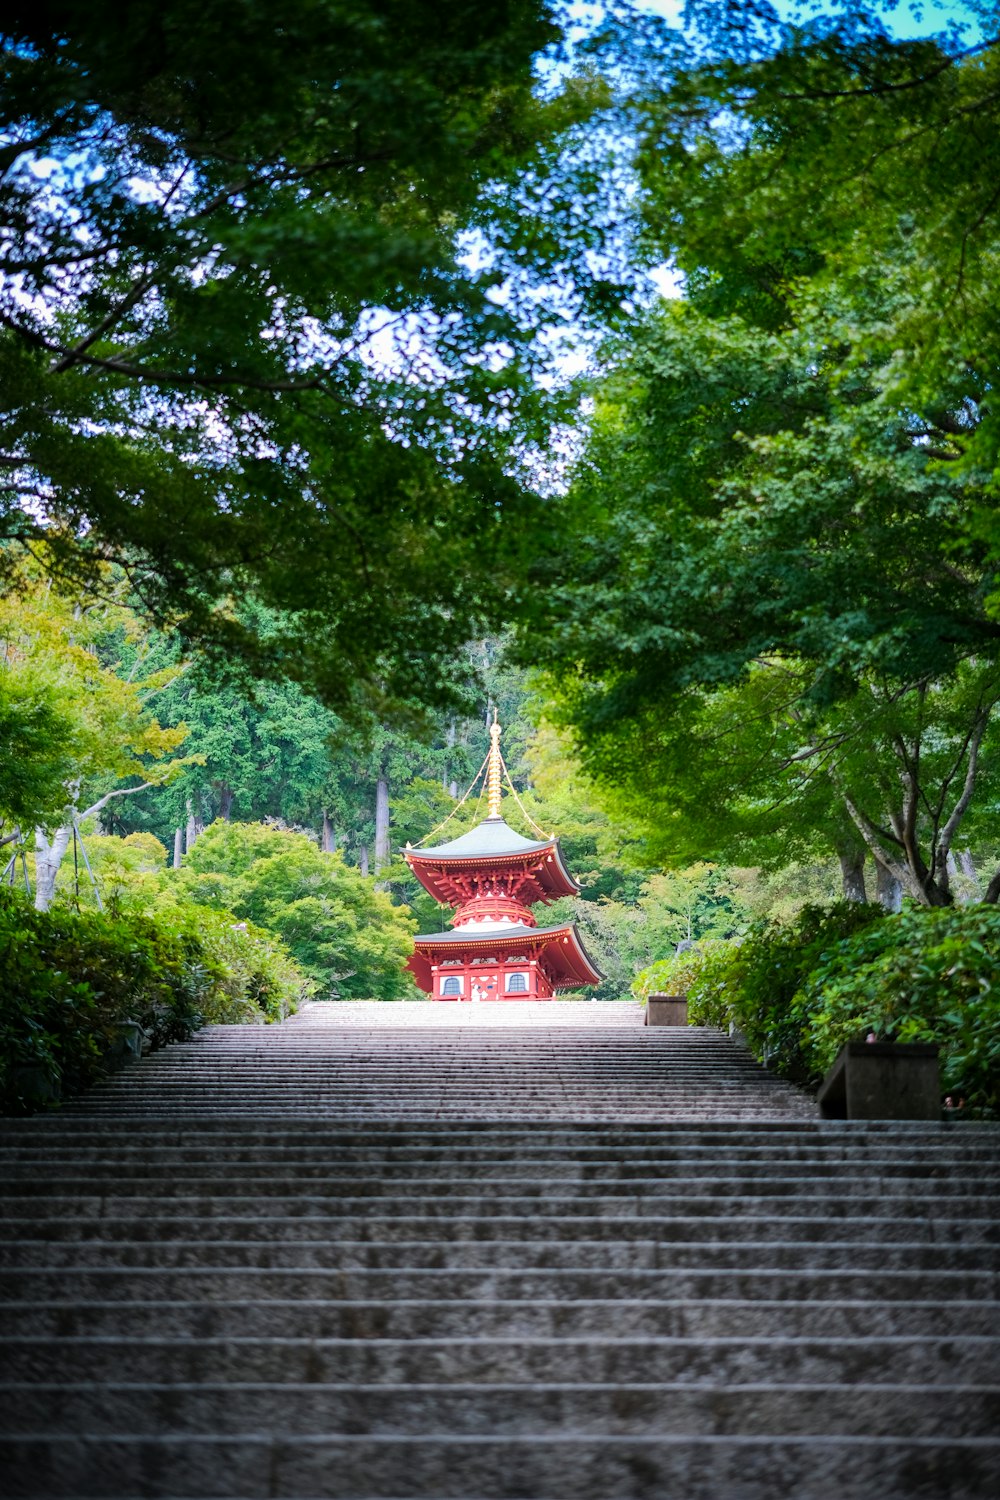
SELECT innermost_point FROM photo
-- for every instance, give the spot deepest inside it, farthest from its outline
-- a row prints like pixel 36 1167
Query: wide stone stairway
pixel 536 1252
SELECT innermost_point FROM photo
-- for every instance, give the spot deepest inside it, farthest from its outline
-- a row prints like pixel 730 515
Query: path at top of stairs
pixel 460 1261
pixel 454 1015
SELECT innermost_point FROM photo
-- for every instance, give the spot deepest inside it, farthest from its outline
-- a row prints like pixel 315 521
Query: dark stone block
pixel 667 1010
pixel 882 1081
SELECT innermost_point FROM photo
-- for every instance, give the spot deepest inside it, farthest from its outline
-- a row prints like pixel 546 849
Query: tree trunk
pixel 48 857
pixel 178 847
pixel 852 873
pixel 363 859
pixel 328 839
pixel 383 850
pixel 887 888
pixel 192 831
pixel 225 801
pixel 450 743
pixel 967 866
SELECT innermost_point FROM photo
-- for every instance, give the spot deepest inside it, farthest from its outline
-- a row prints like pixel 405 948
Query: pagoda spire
pixel 494 768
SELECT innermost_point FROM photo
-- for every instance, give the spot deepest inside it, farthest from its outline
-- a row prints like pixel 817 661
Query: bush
pixel 676 974
pixel 923 976
pixel 799 991
pixel 74 981
pixel 755 984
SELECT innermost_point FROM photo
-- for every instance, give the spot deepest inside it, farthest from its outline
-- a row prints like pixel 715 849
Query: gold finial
pixel 493 788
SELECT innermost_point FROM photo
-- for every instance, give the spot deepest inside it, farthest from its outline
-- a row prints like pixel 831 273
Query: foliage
pixel 753 984
pixel 768 623
pixel 816 153
pixel 347 936
pixel 68 720
pixel 767 612
pixel 75 981
pixel 36 735
pixel 799 991
pixel 274 280
pixel 918 977
pixel 676 975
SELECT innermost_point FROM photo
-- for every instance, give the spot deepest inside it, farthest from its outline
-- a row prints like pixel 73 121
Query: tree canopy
pixel 775 569
pixel 271 278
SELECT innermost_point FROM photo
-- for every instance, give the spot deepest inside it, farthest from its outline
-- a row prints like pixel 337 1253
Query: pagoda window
pixel 452 985
pixel 517 984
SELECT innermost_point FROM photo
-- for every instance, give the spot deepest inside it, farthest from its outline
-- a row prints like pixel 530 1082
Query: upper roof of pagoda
pixel 493 838
pixel 493 846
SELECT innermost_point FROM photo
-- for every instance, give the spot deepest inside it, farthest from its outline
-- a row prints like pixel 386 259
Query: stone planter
pixel 882 1081
pixel 36 1085
pixel 128 1045
pixel 667 1010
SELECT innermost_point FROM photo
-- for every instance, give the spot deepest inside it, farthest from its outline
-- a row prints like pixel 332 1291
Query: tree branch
pixel 125 791
pixel 958 811
pixel 874 90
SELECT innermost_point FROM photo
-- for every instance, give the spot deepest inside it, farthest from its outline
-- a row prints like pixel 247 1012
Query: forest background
pixel 334 422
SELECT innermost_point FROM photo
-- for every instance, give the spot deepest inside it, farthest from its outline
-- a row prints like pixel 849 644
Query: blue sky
pixel 902 18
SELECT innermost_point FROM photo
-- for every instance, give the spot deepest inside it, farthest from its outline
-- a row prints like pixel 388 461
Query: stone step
pixel 935 1158
pixel 613 1410
pixel 871 1193
pixel 152 1222
pixel 598 1263
pixel 776 1258
pixel 565 1284
pixel 518 1136
pixel 508 1468
pixel 707 1362
pixel 475 1319
pixel 505 1211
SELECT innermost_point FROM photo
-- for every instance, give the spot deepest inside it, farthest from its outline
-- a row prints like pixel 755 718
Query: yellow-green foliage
pixel 676 975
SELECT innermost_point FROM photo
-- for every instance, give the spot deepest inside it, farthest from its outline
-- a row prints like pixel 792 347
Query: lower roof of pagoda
pixel 486 932
pixel 562 946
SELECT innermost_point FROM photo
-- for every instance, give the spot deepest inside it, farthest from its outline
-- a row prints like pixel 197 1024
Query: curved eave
pixel 545 863
pixel 561 945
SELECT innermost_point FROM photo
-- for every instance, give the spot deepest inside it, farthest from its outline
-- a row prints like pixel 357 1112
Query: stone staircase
pixel 454 1062
pixel 373 1258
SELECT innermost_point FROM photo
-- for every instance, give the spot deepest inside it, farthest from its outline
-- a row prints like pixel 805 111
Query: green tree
pixel 107 733
pixel 273 281
pixel 771 607
pixel 349 938
pixel 818 152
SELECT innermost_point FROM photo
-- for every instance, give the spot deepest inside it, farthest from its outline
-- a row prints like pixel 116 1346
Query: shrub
pixel 675 975
pixel 70 982
pixel 73 980
pixel 923 976
pixel 799 991
pixel 755 985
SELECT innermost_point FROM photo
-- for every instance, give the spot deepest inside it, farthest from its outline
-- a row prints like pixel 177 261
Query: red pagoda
pixel 493 876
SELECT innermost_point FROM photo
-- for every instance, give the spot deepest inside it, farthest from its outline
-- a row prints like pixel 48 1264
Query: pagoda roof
pixel 488 932
pixel 493 844
pixel 568 959
pixel 493 838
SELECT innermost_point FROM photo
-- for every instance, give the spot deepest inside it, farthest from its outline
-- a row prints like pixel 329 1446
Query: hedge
pixel 799 991
pixel 76 984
